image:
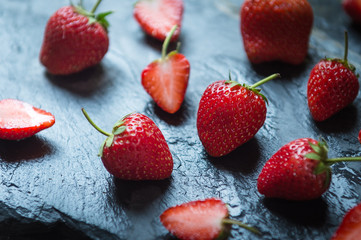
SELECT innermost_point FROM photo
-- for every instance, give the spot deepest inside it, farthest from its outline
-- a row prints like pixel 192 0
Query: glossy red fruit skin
pixel 330 88
pixel 359 136
pixel 197 219
pixel 277 30
pixel 228 117
pixel 20 120
pixel 353 9
pixel 350 227
pixel 140 152
pixel 289 175
pixel 169 13
pixel 71 44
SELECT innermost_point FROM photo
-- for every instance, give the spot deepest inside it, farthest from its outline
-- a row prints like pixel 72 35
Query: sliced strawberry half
pixel 157 17
pixel 202 219
pixel 19 120
pixel 166 79
pixel 350 228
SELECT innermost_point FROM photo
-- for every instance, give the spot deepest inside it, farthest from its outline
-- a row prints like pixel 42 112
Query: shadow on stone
pixel 307 213
pixel 244 159
pixel 26 149
pixel 83 83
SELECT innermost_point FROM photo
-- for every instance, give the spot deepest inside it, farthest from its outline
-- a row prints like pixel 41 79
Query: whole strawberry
pixel 350 227
pixel 157 17
pixel 166 79
pixel 200 220
pixel 74 39
pixel 300 170
pixel 277 30
pixel 19 120
pixel 353 9
pixel 136 149
pixel 332 86
pixel 230 114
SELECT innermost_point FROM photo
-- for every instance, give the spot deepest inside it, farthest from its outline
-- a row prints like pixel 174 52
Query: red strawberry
pixel 230 114
pixel 200 220
pixel 277 30
pixel 332 86
pixel 359 136
pixel 166 79
pixel 74 39
pixel 350 228
pixel 157 17
pixel 136 149
pixel 300 170
pixel 353 9
pixel 19 120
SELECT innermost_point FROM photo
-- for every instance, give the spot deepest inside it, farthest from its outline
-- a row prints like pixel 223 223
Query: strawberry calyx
pixel 92 17
pixel 253 87
pixel 118 129
pixel 344 61
pixel 320 153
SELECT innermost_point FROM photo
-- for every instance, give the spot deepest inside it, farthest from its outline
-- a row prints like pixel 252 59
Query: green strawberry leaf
pixel 119 130
pixel 313 156
pixel 100 154
pixel 100 18
pixel 315 147
pixel 320 168
pixel 109 140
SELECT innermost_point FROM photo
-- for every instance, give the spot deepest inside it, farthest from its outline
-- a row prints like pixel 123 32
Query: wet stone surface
pixel 53 185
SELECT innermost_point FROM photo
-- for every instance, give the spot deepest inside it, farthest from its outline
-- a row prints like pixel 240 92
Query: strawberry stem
pixel 243 225
pixel 167 40
pixel 346 47
pixel 343 159
pixel 96 6
pixel 93 124
pixel 273 76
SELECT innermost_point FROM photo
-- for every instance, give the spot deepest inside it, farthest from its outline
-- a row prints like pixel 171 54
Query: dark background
pixel 53 185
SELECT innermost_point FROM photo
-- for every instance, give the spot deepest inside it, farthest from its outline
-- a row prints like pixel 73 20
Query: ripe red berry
pixel 300 170
pixel 200 220
pixel 332 86
pixel 166 79
pixel 19 120
pixel 157 17
pixel 277 30
pixel 136 149
pixel 74 39
pixel 353 9
pixel 350 227
pixel 229 115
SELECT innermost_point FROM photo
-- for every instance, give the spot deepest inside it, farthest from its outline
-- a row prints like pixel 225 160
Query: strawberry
pixel 200 220
pixel 136 149
pixel 277 30
pixel 350 228
pixel 74 39
pixel 300 170
pixel 230 114
pixel 19 120
pixel 332 86
pixel 157 17
pixel 359 136
pixel 353 9
pixel 166 79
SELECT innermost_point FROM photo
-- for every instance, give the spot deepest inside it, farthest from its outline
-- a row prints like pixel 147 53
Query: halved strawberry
pixel 200 220
pixel 157 17
pixel 350 228
pixel 166 79
pixel 19 120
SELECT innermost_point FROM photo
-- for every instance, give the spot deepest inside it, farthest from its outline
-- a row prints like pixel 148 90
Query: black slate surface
pixel 53 185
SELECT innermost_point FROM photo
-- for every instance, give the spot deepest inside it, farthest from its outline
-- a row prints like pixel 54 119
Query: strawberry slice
pixel 350 228
pixel 157 17
pixel 166 79
pixel 19 120
pixel 202 219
